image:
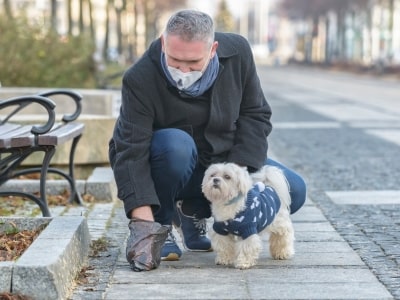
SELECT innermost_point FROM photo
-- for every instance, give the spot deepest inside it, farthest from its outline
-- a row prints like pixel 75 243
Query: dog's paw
pixel 223 261
pixel 245 262
pixel 281 246
pixel 243 265
pixel 282 254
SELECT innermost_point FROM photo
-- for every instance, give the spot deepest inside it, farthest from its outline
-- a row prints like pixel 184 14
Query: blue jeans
pixel 177 175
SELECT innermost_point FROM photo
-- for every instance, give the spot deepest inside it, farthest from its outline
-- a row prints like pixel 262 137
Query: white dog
pixel 235 196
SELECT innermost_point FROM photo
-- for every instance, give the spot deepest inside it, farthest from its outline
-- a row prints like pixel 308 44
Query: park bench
pixel 19 141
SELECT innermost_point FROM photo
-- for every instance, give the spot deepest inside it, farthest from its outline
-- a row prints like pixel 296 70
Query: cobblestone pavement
pixel 342 133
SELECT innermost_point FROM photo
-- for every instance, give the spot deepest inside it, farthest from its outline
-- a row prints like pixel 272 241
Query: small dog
pixel 236 195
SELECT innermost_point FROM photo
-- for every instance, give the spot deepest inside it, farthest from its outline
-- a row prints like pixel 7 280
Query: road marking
pixel 305 125
pixel 388 135
pixel 374 124
pixel 349 112
pixel 373 197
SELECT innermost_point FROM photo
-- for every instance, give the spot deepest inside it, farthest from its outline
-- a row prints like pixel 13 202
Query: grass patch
pixel 21 206
pixel 12 296
pixel 97 246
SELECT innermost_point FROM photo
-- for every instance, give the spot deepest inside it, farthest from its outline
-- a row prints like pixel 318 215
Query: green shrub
pixel 33 56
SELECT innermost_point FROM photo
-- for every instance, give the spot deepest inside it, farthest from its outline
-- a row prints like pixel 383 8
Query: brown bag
pixel 143 248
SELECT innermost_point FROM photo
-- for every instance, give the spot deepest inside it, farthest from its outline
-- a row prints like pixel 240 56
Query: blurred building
pixel 364 34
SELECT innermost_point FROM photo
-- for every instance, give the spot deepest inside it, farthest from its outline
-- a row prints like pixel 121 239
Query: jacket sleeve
pixel 129 147
pixel 253 124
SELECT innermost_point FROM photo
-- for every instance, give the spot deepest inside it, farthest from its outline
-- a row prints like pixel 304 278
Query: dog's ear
pixel 244 180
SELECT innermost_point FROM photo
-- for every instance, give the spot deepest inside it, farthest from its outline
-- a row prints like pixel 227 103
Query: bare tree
pixel 53 14
pixel 224 19
pixel 150 10
pixel 81 23
pixel 91 22
pixel 69 17
pixel 106 41
pixel 153 10
pixel 7 8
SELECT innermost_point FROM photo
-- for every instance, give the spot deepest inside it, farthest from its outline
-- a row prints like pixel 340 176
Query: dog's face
pixel 222 182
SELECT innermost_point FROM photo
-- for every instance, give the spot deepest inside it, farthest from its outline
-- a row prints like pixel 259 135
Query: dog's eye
pixel 227 177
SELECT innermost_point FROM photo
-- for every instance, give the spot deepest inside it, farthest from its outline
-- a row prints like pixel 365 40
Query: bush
pixel 33 56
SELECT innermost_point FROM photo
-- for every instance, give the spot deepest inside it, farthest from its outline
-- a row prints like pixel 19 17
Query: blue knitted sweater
pixel 262 205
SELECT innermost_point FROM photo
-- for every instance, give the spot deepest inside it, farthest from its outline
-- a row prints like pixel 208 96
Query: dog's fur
pixel 225 181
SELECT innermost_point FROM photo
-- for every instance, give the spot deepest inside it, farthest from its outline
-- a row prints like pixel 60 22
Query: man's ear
pixel 214 49
pixel 162 42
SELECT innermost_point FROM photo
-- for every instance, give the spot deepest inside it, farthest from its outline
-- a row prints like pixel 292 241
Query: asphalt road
pixel 342 133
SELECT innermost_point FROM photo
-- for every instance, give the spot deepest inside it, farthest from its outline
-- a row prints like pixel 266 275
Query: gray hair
pixel 191 25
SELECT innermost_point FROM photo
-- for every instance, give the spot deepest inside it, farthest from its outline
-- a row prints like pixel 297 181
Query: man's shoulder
pixel 234 37
pixel 231 43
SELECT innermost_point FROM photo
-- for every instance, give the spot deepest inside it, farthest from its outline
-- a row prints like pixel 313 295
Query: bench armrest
pixel 76 97
pixel 21 102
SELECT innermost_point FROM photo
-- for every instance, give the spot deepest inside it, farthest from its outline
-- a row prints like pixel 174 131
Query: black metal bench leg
pixel 75 195
pixel 43 174
pixel 43 206
pixel 14 160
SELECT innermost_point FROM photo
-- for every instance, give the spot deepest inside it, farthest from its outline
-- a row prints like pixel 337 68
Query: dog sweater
pixel 262 204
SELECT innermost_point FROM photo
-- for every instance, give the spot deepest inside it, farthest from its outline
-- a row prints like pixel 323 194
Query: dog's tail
pixel 274 177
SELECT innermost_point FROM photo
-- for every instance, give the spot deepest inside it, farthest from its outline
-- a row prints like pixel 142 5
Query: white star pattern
pixel 239 219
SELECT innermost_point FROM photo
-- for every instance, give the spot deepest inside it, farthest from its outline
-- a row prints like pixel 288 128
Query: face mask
pixel 184 80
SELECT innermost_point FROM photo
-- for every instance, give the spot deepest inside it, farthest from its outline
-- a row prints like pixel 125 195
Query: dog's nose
pixel 216 180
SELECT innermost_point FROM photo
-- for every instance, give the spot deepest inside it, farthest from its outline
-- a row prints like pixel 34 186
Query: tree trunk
pixel 135 24
pixel 107 32
pixel 92 29
pixel 69 17
pixel 81 23
pixel 53 15
pixel 7 8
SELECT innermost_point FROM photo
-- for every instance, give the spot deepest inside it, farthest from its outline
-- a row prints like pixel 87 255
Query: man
pixel 193 99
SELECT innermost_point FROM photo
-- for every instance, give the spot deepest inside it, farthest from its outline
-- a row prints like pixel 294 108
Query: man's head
pixel 188 40
pixel 190 26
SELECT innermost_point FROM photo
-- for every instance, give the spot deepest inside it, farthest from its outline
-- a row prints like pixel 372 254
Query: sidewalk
pixel 324 267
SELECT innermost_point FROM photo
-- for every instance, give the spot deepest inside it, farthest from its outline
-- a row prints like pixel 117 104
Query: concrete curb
pixel 48 267
pixel 100 184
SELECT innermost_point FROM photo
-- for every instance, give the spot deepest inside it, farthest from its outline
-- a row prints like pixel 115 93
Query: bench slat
pixel 8 127
pixel 56 136
pixel 11 131
pixel 61 134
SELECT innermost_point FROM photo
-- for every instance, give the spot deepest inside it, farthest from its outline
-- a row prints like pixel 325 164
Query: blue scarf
pixel 200 86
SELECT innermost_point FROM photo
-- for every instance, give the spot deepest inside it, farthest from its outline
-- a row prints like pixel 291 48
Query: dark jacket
pixel 236 131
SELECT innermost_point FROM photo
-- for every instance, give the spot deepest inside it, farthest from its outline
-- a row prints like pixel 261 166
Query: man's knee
pixel 298 192
pixel 174 145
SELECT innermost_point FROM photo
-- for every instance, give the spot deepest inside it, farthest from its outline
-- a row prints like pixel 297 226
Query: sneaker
pixel 170 250
pixel 192 230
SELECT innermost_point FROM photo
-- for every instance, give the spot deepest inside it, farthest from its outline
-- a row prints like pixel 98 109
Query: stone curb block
pixel 5 275
pixel 49 266
pixel 53 187
pixel 100 184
